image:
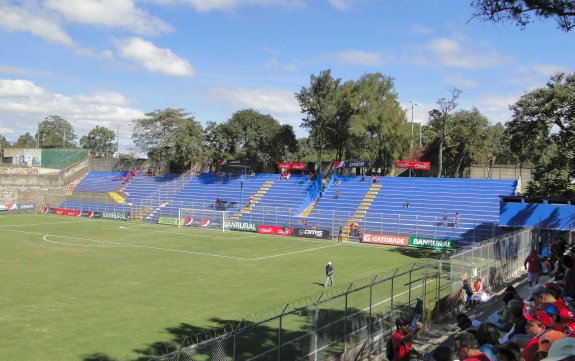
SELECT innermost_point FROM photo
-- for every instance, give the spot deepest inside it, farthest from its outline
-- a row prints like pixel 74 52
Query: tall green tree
pixel 379 124
pixel 439 121
pixel 320 104
pixel 467 143
pixel 157 134
pixel 543 126
pixel 523 12
pixel 56 132
pixel 25 141
pixel 3 142
pixel 258 139
pixel 189 144
pixel 100 141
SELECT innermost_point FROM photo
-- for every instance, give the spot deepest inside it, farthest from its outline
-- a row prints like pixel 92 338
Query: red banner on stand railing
pixel 291 165
pixel 405 164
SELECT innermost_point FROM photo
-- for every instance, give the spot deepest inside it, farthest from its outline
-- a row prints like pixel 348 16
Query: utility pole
pixel 118 140
pixel 412 105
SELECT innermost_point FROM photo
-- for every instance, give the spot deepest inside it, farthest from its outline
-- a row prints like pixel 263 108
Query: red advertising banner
pixel 291 165
pixel 385 239
pixel 275 230
pixel 67 212
pixel 413 165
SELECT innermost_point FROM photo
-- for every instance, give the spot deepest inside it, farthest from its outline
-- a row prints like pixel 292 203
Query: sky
pixel 108 62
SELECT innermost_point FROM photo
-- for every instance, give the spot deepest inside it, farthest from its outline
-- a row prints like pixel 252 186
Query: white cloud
pixel 459 81
pixel 27 102
pixel 420 29
pixel 109 13
pixel 359 57
pixel 452 53
pixel 31 21
pixel 546 70
pixel 24 71
pixel 155 59
pixel 281 102
pixel 340 4
pixel 496 106
pixel 228 5
pixel 274 64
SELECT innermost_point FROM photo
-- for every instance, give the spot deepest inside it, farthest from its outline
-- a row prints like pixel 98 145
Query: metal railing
pixel 355 319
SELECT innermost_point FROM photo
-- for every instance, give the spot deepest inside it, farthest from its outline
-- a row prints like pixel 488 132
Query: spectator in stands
pixel 518 332
pixel 359 232
pixel 340 234
pixel 546 267
pixel 538 323
pixel 442 353
pixel 401 340
pixel 444 219
pixel 467 348
pixel 569 277
pixel 533 266
pixel 566 325
pixel 352 229
pixel 406 204
pixel 562 349
pixel 508 352
pixel 456 220
pixel 337 194
pixel 488 338
pixel 362 178
pixel 252 173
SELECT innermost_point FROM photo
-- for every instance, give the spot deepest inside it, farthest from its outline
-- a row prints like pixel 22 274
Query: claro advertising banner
pixel 385 239
pixel 287 231
pixel 431 243
pixel 310 233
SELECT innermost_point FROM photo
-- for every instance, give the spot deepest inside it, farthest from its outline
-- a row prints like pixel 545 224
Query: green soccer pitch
pixel 79 288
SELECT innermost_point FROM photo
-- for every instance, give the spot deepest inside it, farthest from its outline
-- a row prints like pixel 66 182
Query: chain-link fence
pixel 344 323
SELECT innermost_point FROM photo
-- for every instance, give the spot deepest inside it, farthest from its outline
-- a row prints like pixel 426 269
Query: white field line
pixel 121 244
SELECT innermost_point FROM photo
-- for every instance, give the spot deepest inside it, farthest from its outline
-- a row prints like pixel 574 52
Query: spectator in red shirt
pixel 533 266
pixel 538 323
pixel 401 339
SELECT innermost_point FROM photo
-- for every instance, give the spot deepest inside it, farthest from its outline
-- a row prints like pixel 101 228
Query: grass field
pixel 74 288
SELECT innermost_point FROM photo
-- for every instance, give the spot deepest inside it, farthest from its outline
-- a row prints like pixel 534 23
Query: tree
pixel 467 141
pixel 258 139
pixel 189 144
pixel 157 134
pixel 56 132
pixel 319 102
pixel 100 141
pixel 378 123
pixel 520 11
pixel 25 141
pixel 439 121
pixel 543 127
pixel 3 142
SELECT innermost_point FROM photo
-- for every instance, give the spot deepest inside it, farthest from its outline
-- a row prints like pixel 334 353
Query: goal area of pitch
pixel 203 218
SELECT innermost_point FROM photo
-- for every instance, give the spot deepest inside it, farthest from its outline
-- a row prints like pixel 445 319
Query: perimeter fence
pixel 347 322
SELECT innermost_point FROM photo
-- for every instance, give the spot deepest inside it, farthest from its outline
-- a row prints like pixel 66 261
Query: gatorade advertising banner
pixel 310 233
pixel 431 243
pixel 114 215
pixel 385 239
pixel 277 230
pixel 168 220
pixel 16 207
pixel 242 226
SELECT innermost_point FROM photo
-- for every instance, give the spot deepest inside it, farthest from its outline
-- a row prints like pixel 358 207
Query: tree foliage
pixel 3 142
pixel 25 141
pixel 100 141
pixel 542 132
pixel 162 133
pixel 522 12
pixel 56 132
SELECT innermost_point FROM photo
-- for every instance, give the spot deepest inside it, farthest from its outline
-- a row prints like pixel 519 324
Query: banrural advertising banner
pixel 16 207
pixel 431 243
pixel 385 239
pixel 242 226
pixel 114 215
pixel 282 231
pixel 310 233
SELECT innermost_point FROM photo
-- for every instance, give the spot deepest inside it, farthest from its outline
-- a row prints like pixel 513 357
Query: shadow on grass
pixel 328 327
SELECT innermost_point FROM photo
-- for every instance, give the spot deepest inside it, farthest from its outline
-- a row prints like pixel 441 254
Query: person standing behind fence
pixel 329 274
pixel 533 266
pixel 444 223
pixel 340 234
pixel 456 220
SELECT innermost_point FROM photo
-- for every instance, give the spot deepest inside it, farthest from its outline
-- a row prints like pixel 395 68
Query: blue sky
pixel 107 62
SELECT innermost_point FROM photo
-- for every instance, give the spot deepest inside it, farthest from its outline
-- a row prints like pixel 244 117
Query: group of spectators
pixel 539 328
